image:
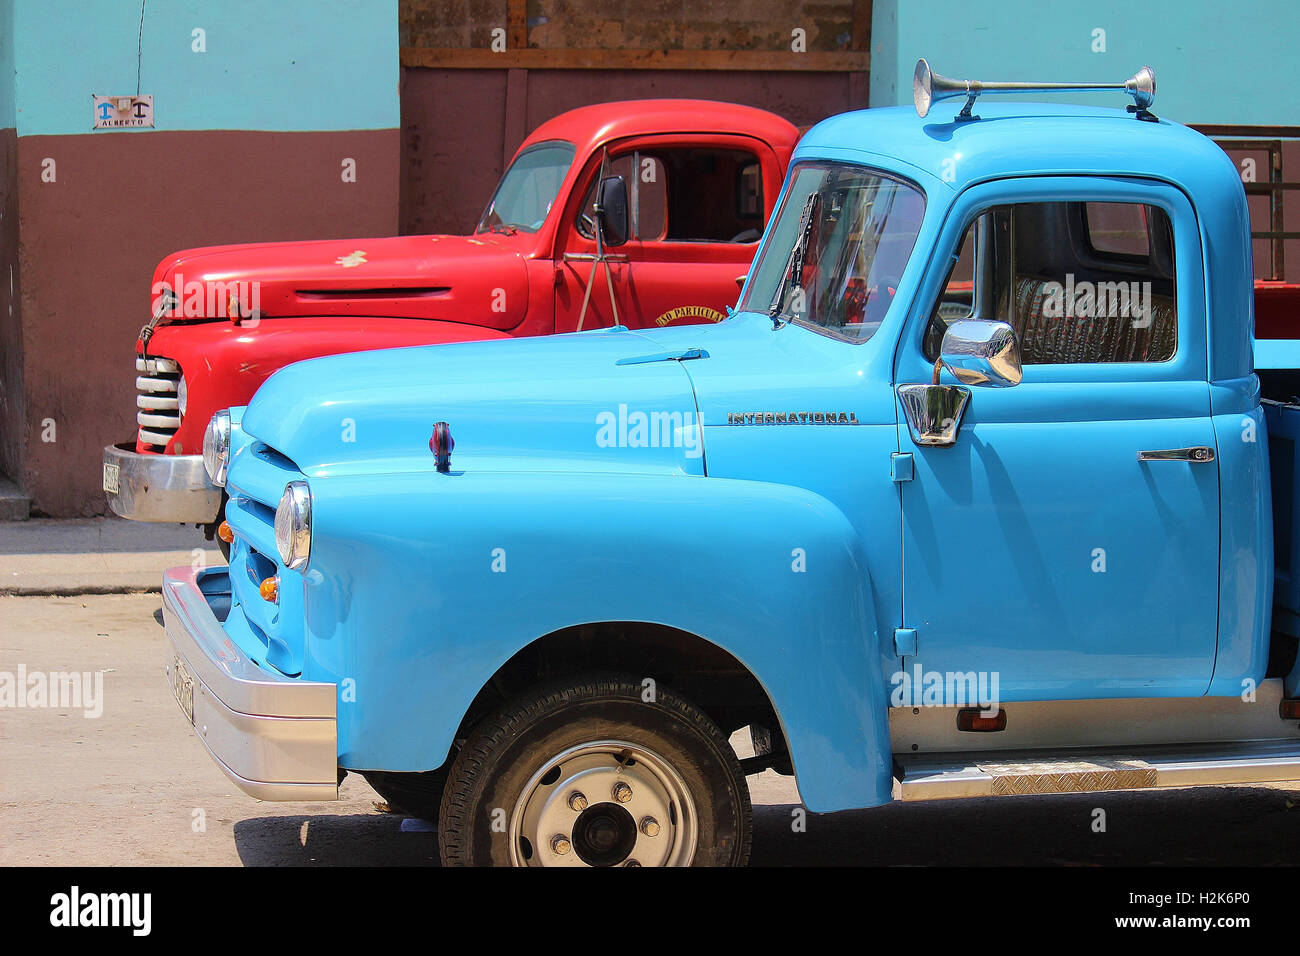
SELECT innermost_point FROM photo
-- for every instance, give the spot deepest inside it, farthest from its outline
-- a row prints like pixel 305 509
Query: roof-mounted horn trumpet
pixel 929 87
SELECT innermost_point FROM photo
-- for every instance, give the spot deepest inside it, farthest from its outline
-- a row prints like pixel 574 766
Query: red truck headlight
pixel 216 447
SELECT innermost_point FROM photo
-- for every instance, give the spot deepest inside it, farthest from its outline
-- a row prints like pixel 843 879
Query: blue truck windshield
pixel 838 247
pixel 529 187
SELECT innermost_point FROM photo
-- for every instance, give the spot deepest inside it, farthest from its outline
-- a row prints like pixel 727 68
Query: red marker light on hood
pixel 441 444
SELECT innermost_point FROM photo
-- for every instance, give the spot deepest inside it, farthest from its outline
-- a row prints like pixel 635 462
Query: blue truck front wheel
pixel 589 772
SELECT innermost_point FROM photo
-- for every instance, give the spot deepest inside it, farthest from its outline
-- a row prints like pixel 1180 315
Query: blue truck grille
pixel 255 483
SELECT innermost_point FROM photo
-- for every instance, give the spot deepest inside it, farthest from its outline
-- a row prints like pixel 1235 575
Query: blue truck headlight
pixel 293 525
pixel 216 447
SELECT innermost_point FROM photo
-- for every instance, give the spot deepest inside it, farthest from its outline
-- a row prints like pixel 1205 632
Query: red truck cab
pixel 701 178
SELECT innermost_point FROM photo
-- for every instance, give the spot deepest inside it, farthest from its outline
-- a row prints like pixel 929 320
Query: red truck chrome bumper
pixel 159 487
pixel 276 737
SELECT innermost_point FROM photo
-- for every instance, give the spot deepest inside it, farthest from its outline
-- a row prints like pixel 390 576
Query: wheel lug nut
pixel 560 844
pixel 577 801
pixel 631 863
pixel 622 792
pixel 650 826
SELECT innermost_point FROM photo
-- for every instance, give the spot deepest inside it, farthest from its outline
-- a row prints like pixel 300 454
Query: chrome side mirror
pixel 976 352
pixel 933 412
pixel 980 352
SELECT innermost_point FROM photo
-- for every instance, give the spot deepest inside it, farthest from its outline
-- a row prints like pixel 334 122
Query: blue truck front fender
pixel 421 586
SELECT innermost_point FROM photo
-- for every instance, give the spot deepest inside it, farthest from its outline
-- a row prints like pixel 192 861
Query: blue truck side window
pixel 1081 282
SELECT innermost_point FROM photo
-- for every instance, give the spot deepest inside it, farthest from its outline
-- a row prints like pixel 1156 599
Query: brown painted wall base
pixel 89 241
pixel 11 354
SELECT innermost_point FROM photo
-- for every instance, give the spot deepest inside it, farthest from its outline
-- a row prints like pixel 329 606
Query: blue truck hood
pixel 599 401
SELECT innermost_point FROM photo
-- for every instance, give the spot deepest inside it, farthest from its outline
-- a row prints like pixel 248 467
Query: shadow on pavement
pixel 1213 827
pixel 334 840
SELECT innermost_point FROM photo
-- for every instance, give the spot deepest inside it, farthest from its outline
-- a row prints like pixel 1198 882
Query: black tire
pixel 511 746
pixel 414 794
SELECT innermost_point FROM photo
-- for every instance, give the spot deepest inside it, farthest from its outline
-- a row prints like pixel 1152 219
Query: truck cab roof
pixel 590 127
pixel 1011 140
pixel 1015 139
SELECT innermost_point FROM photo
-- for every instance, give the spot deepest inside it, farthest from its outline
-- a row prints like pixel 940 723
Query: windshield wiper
pixel 794 268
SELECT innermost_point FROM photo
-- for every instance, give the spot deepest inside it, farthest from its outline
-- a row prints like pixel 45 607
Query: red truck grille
pixel 157 385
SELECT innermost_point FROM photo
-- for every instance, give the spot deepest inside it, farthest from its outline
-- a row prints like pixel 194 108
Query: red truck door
pixel 697 207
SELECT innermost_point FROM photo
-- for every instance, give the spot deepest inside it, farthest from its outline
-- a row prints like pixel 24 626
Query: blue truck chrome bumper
pixel 275 737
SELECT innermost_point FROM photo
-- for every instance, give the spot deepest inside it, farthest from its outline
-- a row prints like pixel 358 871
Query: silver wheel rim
pixel 604 803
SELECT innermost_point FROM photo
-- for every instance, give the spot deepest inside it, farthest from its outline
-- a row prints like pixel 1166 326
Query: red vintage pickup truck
pixel 700 179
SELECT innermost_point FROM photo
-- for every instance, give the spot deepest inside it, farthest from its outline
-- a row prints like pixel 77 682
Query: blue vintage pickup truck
pixel 971 495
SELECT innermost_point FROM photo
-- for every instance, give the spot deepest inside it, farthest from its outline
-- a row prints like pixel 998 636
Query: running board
pixel 945 776
pixel 1101 725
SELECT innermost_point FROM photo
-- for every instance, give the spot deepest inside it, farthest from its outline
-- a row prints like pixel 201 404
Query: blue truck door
pixel 1038 550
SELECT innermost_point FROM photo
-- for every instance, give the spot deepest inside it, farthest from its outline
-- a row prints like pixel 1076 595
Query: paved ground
pixel 95 555
pixel 132 786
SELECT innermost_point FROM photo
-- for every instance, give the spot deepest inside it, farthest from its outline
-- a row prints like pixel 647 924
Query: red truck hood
pixel 477 280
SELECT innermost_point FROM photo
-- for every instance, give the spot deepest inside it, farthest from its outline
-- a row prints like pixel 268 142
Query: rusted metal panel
pixel 718 25
pixel 813 61
pixel 1268 159
pixel 450 164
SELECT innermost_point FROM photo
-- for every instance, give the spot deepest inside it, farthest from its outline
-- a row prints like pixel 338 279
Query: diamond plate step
pixel 1069 776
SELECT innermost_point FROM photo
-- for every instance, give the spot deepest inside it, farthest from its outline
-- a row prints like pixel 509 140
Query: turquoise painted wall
pixel 288 65
pixel 6 64
pixel 1215 61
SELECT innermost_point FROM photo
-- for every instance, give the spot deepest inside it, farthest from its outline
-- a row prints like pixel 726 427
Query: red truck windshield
pixel 528 188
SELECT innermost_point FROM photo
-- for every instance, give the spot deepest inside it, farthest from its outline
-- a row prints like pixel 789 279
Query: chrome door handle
pixel 1197 453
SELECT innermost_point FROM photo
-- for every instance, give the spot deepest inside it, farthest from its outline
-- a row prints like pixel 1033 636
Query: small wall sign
pixel 122 112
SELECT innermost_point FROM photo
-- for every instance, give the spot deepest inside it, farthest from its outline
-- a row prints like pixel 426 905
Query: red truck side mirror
pixel 611 210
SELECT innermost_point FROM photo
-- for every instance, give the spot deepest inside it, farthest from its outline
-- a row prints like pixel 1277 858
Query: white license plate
pixel 111 475
pixel 182 687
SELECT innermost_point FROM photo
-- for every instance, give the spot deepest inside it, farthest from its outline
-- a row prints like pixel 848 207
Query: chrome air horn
pixel 929 87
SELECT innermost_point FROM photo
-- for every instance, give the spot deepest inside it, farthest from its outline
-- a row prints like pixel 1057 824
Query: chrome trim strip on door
pixel 1197 453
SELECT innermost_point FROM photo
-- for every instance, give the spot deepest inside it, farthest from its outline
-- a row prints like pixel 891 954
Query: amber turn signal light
pixel 974 719
pixel 270 589
pixel 225 533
